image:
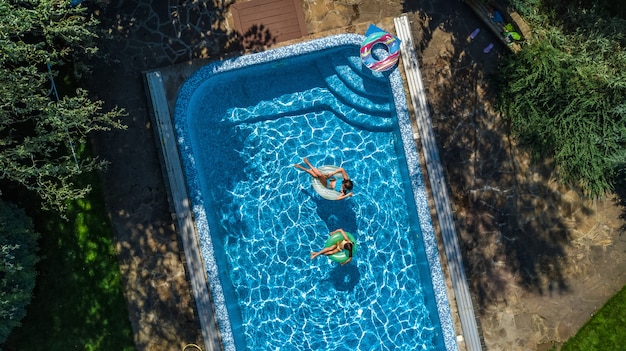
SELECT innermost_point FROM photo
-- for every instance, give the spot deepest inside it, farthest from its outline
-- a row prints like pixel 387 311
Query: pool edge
pixel 180 199
pixel 471 338
pixel 444 315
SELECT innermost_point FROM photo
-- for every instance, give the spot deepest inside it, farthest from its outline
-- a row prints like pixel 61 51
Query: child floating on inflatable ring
pixel 345 244
pixel 328 180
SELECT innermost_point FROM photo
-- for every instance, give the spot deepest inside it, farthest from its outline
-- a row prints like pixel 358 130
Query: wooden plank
pixel 282 6
pixel 268 17
pixel 262 14
pixel 300 15
pixel 184 219
pixel 276 20
pixel 248 4
pixel 441 199
pixel 283 19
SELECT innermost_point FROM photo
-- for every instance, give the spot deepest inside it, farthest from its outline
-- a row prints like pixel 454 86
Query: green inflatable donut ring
pixel 328 194
pixel 343 255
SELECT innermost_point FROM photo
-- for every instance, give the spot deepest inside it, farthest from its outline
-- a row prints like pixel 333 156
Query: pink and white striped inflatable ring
pixel 390 42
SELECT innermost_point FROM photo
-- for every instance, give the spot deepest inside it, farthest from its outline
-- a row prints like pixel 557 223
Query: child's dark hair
pixel 349 184
pixel 348 246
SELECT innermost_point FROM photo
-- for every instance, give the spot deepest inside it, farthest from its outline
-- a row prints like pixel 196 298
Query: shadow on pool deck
pixel 541 258
pixel 537 252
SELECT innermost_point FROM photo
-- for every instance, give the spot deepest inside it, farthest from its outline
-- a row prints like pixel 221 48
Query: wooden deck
pixel 266 22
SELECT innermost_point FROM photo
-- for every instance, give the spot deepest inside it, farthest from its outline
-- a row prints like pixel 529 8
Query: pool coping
pixel 471 335
pixel 180 197
pixel 184 219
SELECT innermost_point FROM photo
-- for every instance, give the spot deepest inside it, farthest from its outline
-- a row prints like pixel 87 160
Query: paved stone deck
pixel 472 340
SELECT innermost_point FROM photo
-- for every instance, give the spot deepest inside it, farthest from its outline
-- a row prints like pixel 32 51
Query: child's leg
pixel 314 172
pixel 305 169
pixel 306 160
pixel 326 251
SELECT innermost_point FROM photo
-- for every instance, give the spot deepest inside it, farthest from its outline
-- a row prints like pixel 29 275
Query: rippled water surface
pixel 247 128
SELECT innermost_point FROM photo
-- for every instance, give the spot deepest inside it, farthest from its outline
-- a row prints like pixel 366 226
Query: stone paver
pixel 540 258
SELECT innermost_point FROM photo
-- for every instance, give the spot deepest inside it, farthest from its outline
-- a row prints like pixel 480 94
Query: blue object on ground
pixel 497 17
pixel 475 33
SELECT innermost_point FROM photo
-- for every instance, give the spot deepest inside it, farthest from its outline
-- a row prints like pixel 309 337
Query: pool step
pixel 353 73
pixel 366 87
pixel 295 104
pixel 357 65
pixel 352 91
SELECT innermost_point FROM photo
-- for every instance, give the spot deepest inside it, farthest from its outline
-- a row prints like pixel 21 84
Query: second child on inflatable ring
pixel 339 248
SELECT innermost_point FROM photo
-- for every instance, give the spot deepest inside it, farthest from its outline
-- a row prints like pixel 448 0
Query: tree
pixel 564 94
pixel 18 248
pixel 40 137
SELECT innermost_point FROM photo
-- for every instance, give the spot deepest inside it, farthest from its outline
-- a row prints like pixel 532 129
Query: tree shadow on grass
pixel 138 36
pixel 78 302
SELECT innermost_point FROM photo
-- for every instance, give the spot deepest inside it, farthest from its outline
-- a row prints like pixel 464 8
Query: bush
pixel 564 96
pixel 18 248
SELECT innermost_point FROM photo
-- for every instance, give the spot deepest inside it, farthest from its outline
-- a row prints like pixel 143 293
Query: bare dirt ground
pixel 541 258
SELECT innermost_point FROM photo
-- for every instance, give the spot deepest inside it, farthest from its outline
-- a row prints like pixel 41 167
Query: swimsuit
pixel 341 190
pixel 330 179
pixel 340 245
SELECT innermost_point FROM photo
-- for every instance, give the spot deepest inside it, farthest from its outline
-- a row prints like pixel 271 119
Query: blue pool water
pixel 242 124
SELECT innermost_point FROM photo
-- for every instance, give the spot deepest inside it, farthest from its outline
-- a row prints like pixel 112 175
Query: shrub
pixel 564 96
pixel 18 248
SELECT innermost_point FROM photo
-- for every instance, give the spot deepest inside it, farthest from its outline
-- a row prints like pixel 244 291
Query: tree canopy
pixel 38 134
pixel 565 93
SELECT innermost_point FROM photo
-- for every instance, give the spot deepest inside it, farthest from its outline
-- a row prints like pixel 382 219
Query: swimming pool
pixel 242 124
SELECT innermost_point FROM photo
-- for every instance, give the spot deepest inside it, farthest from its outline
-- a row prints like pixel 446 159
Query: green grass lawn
pixel 78 301
pixel 606 330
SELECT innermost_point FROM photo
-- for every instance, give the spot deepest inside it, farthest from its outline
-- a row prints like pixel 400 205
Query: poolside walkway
pixel 472 339
pixel 182 209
